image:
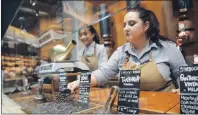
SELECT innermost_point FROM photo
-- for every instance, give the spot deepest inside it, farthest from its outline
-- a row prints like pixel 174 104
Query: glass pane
pixel 35 17
pixel 90 12
pixel 38 23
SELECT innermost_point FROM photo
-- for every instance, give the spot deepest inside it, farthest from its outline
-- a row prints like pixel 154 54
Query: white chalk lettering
pixel 130 79
pixel 188 78
pixel 84 81
pixel 194 102
pixel 136 72
pixel 184 102
pixel 188 69
pixel 135 96
pixel 126 72
pixel 128 84
pixel 131 92
pixel 192 84
pixel 188 111
pixel 132 111
pixel 190 107
pixel 131 100
pixel 122 99
pixel 122 91
pixel 192 89
pixel 189 98
pixel 84 78
pixel 128 96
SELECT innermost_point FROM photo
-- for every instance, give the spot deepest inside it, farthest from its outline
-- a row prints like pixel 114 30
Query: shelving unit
pixel 16 66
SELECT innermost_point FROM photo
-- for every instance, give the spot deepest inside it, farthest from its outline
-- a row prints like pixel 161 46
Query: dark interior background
pixel 8 8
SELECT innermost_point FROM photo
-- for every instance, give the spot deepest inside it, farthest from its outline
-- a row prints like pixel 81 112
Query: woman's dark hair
pixel 93 31
pixel 153 31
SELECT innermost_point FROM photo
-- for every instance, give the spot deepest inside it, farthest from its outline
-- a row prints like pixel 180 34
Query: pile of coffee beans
pixel 62 97
pixel 59 108
pixel 62 104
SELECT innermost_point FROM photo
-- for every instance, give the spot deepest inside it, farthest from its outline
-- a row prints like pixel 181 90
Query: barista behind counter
pixel 190 47
pixel 94 54
pixel 157 57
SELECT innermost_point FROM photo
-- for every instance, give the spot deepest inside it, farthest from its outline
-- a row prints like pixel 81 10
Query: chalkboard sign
pixel 62 83
pixel 128 99
pixel 189 89
pixel 84 89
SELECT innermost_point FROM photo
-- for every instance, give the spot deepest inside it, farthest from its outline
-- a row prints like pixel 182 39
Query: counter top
pixel 149 102
pixel 9 106
pixel 175 109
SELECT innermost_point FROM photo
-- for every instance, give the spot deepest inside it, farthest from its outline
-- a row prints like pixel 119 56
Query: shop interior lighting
pixel 37 12
pixel 33 2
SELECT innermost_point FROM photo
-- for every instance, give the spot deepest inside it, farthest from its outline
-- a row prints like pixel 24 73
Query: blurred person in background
pixel 187 37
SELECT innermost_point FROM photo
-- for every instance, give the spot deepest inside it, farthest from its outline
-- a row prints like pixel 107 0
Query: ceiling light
pixel 37 12
pixel 33 2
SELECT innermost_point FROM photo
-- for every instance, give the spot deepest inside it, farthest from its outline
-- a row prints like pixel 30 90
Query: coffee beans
pixel 63 104
pixel 59 108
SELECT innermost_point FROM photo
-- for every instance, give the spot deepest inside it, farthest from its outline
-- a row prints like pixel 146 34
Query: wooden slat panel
pixel 117 20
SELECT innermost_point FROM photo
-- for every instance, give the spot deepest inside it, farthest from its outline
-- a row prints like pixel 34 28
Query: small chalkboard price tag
pixel 189 89
pixel 84 89
pixel 62 83
pixel 128 99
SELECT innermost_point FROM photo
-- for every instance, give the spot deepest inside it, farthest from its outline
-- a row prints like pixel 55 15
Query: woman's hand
pixel 176 91
pixel 73 85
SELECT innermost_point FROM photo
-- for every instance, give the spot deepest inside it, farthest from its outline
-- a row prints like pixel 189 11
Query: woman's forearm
pixel 93 80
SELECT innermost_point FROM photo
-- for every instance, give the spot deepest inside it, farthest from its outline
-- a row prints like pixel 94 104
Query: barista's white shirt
pixel 100 53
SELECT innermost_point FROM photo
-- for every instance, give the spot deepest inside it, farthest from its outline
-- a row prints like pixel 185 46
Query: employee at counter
pixel 189 40
pixel 94 54
pixel 156 56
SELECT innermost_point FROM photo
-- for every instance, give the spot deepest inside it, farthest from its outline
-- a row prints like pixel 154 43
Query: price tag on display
pixel 189 89
pixel 62 83
pixel 84 89
pixel 128 99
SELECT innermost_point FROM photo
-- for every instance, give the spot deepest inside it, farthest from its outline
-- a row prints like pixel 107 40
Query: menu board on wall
pixel 189 89
pixel 84 89
pixel 128 99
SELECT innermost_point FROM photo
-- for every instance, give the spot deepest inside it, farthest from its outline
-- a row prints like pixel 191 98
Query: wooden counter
pixel 175 109
pixel 149 102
